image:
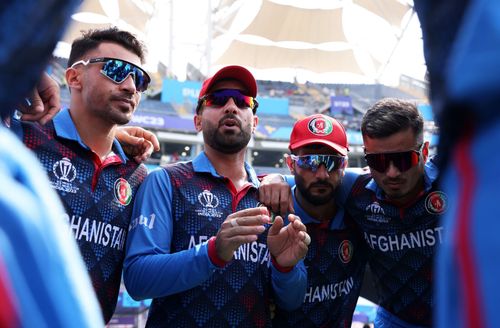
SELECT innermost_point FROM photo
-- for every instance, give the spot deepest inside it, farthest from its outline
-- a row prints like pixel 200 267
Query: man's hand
pixel 288 244
pixel 240 228
pixel 275 193
pixel 43 103
pixel 137 142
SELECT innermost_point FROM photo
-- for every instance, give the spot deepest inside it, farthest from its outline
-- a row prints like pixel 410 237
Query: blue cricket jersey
pixel 177 210
pixel 97 197
pixel 44 279
pixel 335 265
pixel 402 242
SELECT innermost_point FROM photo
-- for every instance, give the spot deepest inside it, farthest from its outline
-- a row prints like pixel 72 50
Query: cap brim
pixel 238 73
pixel 341 150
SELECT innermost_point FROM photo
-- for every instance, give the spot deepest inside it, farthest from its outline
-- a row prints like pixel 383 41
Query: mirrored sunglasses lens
pixel 313 162
pixel 118 71
pixel 220 98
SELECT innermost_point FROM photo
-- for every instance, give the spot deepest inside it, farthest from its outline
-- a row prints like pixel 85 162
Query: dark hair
pixel 391 115
pixel 91 39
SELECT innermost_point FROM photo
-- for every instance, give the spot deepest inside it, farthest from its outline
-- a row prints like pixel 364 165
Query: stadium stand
pixel 280 105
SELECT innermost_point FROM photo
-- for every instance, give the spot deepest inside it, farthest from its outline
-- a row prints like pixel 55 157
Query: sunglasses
pixel 118 70
pixel 220 98
pixel 403 160
pixel 313 162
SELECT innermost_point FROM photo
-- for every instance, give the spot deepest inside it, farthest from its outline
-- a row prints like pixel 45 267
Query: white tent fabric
pixel 278 22
pixel 318 40
pixel 125 14
pixel 269 57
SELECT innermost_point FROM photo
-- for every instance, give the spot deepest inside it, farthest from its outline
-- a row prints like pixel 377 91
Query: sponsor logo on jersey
pixel 210 202
pixel 346 249
pixel 319 126
pixel 65 173
pixel 375 213
pixel 436 202
pixel 122 191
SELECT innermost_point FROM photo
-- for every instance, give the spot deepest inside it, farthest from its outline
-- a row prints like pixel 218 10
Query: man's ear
pixel 289 163
pixel 255 122
pixel 197 122
pixel 73 78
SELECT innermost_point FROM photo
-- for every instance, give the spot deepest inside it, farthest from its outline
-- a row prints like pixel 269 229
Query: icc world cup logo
pixel 64 170
pixel 207 199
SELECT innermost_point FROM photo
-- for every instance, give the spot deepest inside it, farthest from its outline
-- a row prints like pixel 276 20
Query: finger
pixel 307 239
pixel 285 199
pixel 298 225
pixel 50 113
pixel 265 195
pixel 249 212
pixel 152 139
pixel 246 221
pixel 276 226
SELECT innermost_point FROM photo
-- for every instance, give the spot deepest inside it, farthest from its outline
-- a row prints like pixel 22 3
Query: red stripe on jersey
pixel 464 244
pixel 8 314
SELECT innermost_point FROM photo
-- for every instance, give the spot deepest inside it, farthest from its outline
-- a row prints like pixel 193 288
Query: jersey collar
pixel 65 128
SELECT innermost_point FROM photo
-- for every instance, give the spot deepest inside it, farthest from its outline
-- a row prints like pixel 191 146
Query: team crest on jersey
pixel 319 126
pixel 210 202
pixel 65 172
pixel 122 191
pixel 436 202
pixel 375 213
pixel 346 249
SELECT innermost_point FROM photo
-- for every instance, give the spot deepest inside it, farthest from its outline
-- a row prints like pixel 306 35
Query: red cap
pixel 233 72
pixel 319 129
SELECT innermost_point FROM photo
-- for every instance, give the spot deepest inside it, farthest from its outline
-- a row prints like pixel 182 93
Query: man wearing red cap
pixel 336 259
pixel 397 206
pixel 199 244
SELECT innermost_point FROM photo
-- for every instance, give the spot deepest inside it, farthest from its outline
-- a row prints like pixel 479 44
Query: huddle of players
pixel 197 236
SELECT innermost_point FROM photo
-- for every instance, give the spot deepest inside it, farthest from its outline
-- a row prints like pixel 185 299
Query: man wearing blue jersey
pixel 397 207
pixel 462 47
pixel 85 164
pixel 336 259
pixel 43 281
pixel 198 242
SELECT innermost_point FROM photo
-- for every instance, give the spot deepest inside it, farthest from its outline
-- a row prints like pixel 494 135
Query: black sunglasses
pixel 117 70
pixel 219 98
pixel 403 160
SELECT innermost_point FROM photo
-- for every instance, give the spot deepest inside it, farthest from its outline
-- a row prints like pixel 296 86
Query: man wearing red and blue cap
pixel 199 244
pixel 337 258
pixel 397 207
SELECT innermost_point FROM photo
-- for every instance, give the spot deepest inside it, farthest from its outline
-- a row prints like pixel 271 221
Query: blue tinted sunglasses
pixel 117 70
pixel 220 98
pixel 313 162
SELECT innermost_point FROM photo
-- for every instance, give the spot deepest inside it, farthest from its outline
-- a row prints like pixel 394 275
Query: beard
pixel 315 199
pixel 229 142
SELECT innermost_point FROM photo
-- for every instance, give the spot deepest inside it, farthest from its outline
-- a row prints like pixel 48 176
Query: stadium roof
pixel 342 40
